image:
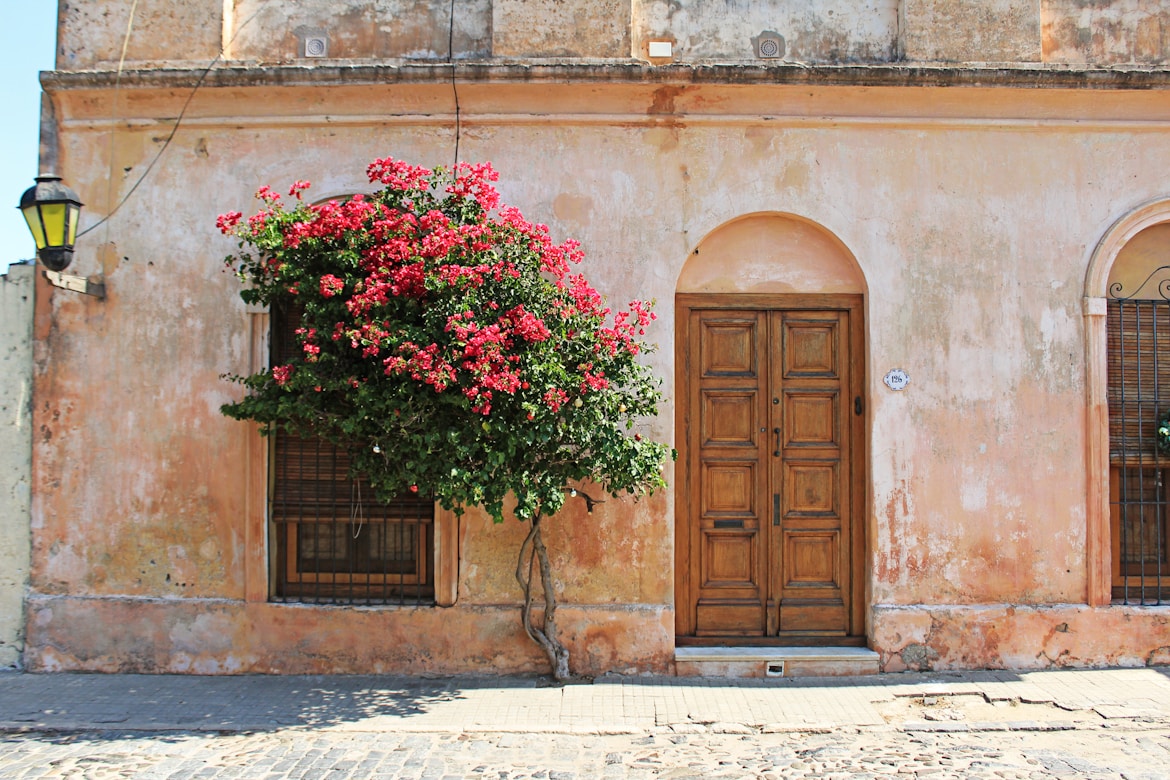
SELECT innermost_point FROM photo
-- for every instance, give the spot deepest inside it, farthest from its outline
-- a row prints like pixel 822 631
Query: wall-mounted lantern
pixel 52 211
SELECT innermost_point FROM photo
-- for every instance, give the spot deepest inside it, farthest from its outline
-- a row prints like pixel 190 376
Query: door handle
pixel 776 454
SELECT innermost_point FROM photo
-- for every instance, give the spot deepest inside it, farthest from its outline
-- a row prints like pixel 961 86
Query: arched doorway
pixel 770 539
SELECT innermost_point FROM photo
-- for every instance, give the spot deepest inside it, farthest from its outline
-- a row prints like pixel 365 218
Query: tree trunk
pixel 533 553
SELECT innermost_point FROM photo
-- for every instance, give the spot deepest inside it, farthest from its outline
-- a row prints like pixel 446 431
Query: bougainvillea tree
pixel 448 346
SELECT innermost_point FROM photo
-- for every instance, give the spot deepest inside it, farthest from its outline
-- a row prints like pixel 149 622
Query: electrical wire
pixel 178 120
pixel 199 83
pixel 454 88
pixel 114 111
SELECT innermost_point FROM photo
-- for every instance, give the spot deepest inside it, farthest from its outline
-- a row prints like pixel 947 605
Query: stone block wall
pixel 1084 32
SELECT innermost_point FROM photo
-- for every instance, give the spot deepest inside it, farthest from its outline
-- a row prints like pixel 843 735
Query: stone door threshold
pixel 774 661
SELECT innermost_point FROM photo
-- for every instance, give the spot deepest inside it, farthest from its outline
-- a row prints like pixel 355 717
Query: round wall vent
pixel 316 46
pixel 769 46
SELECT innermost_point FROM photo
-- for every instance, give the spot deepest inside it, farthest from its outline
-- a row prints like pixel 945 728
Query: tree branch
pixel 590 501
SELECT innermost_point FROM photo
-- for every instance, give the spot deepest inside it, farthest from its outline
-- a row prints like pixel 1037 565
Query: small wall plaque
pixel 897 379
pixel 316 46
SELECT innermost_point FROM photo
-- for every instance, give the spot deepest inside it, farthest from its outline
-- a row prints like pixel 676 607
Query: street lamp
pixel 51 210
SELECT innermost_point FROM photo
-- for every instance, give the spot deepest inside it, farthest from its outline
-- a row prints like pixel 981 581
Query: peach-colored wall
pixel 770 253
pixel 976 469
pixel 1008 636
pixel 968 215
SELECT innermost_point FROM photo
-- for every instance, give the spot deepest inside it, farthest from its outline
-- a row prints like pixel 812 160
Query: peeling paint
pixel 1016 637
pixel 1105 31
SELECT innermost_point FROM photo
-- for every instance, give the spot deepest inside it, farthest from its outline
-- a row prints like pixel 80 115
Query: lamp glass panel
pixel 54 216
pixel 34 225
pixel 74 214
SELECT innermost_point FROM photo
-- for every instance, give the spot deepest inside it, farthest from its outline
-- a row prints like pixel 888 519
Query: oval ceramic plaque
pixel 897 379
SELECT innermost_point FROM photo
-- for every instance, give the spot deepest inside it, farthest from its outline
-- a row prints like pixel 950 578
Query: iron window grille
pixel 1139 480
pixel 334 542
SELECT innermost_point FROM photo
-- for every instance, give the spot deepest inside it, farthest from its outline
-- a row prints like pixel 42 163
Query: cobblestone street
pixel 1009 725
pixel 1129 751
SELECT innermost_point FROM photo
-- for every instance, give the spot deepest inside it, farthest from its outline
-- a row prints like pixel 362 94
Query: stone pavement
pixel 1112 723
pixel 607 705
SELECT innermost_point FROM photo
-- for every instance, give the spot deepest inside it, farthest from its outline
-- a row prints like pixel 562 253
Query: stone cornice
pixel 1028 76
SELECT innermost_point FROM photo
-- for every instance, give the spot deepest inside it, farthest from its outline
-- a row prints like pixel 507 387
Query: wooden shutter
pixel 1138 377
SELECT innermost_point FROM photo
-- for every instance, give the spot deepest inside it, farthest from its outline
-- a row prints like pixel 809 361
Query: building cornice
pixel 1026 76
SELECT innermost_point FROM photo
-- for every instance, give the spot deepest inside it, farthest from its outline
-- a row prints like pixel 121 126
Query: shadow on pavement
pixel 65 702
pixel 55 705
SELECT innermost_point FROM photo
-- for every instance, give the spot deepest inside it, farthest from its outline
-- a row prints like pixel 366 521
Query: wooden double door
pixel 769 539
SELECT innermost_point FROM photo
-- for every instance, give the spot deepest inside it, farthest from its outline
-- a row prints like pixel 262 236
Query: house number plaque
pixel 897 379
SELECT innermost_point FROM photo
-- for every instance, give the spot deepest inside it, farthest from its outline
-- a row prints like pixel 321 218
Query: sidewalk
pixel 997 700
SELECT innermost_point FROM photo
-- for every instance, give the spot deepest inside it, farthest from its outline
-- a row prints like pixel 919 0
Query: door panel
pixel 729 560
pixel 768 536
pixel 728 418
pixel 729 490
pixel 812 559
pixel 811 489
pixel 730 347
pixel 811 347
pixel 812 418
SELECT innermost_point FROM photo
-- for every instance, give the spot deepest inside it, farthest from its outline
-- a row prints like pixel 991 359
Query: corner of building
pixel 16 302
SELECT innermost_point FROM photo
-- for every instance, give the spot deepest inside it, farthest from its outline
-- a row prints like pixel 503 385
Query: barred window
pixel 334 542
pixel 1139 398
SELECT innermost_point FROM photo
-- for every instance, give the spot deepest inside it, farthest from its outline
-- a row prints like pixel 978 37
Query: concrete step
pixel 774 661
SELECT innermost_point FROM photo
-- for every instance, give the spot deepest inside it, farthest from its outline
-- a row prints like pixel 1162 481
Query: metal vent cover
pixel 769 46
pixel 316 46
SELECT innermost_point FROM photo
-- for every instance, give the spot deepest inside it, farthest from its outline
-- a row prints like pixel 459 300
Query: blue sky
pixel 29 39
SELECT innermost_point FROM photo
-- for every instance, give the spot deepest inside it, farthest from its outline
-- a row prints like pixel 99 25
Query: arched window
pixel 1138 393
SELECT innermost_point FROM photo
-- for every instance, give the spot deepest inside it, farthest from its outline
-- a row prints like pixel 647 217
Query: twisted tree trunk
pixel 533 553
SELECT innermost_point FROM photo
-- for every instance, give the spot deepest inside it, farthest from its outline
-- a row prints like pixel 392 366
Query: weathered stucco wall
pixel 16 305
pixel 971 213
pixel 817 31
pixel 411 29
pixel 556 28
pixel 1101 32
pixel 970 31
pixel 1106 31
pixel 1008 636
pixel 92 34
